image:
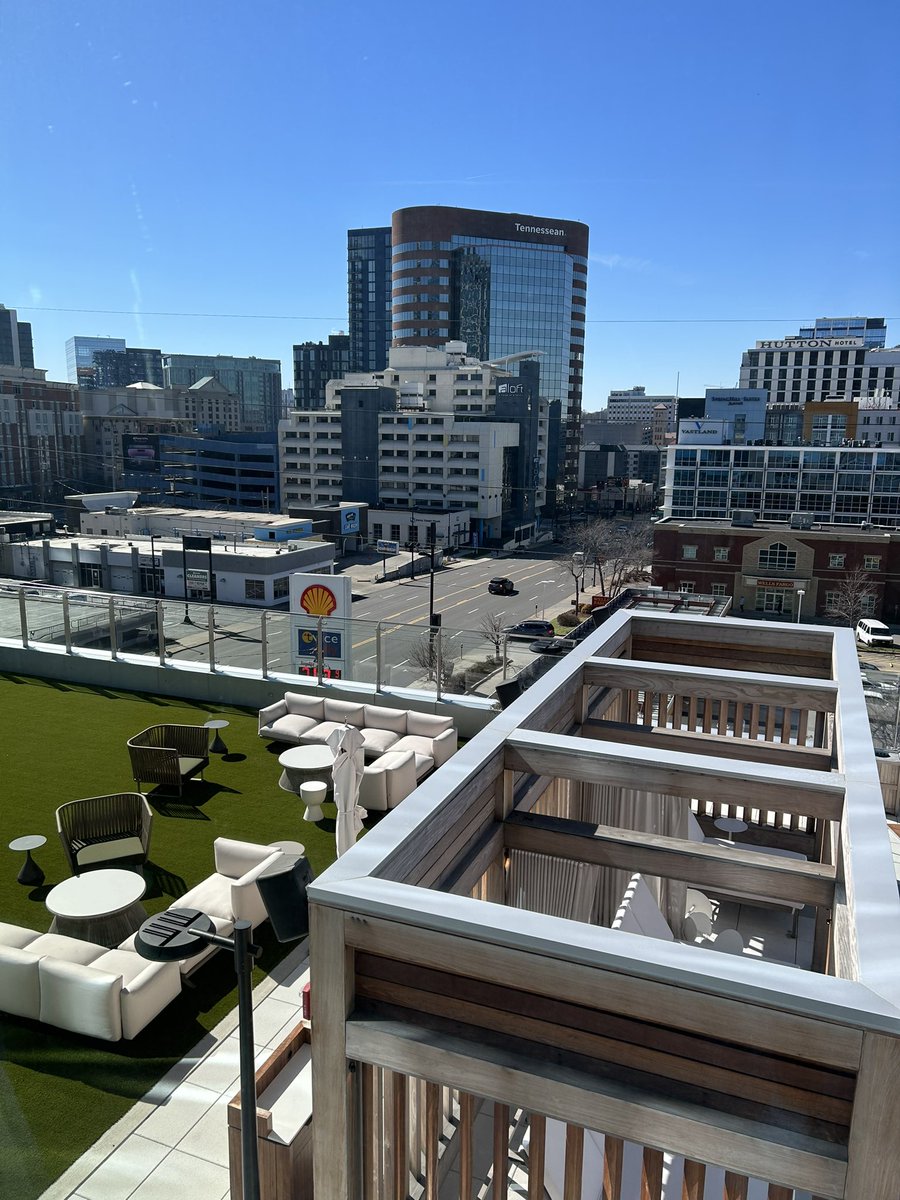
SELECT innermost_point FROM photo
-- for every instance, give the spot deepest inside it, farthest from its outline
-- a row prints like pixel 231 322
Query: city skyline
pixel 703 163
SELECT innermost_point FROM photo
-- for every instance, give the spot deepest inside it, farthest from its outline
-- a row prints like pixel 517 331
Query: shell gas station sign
pixel 320 607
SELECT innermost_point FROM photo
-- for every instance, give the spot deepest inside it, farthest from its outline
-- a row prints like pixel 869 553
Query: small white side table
pixel 218 746
pixel 313 797
pixel 731 826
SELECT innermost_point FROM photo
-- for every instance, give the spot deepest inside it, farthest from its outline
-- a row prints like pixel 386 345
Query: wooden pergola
pixel 448 1023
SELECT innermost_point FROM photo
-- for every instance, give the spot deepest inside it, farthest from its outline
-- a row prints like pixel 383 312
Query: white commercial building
pixel 436 433
pixel 797 370
pixel 634 405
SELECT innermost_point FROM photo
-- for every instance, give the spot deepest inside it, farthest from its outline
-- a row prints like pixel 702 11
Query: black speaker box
pixel 283 889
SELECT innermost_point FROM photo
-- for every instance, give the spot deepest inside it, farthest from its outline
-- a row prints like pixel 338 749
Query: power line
pixel 126 312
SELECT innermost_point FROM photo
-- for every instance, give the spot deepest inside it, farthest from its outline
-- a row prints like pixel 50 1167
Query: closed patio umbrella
pixel 346 744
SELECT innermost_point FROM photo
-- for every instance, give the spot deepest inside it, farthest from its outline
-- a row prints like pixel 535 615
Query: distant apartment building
pixel 778 568
pixel 437 431
pixel 632 405
pixel 41 440
pixel 315 363
pixel 16 347
pixel 835 485
pixel 369 297
pixel 255 381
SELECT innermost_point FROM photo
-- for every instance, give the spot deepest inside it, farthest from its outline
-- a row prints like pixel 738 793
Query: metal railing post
pixel 438 663
pixel 23 616
pixel 320 652
pixel 161 631
pixel 379 665
pixel 263 644
pixel 505 659
pixel 113 632
pixel 67 623
pixel 211 632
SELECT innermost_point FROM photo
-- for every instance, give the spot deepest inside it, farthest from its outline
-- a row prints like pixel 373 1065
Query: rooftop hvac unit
pixel 801 520
pixel 743 517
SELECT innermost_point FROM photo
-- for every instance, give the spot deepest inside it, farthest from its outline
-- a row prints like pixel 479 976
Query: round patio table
pixel 305 764
pixel 218 746
pixel 99 906
pixel 731 826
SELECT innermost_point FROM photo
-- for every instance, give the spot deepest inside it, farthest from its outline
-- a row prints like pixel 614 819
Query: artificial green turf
pixel 59 742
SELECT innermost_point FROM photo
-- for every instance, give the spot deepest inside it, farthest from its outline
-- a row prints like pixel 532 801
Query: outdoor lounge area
pixel 641 942
pixel 69 1079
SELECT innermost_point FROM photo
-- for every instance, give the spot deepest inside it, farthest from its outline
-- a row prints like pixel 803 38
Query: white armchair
pixel 230 893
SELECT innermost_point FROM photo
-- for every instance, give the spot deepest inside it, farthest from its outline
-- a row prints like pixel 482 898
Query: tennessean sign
pixel 548 230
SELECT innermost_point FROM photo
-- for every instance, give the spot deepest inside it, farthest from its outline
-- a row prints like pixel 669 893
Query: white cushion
pixel 105 851
pixel 16 935
pixel 319 734
pixel 66 949
pixel 212 896
pixel 147 987
pixel 20 988
pixel 236 858
pixel 423 748
pixel 81 999
pixel 380 717
pixel 427 725
pixel 387 781
pixel 290 728
pixel 345 713
pixel 304 706
pixel 377 741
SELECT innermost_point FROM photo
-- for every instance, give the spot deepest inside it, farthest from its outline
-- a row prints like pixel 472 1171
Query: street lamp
pixel 542 585
pixel 800 595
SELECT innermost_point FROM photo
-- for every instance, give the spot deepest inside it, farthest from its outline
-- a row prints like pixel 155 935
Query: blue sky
pixel 738 164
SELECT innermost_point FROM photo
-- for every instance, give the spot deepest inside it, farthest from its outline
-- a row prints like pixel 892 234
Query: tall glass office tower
pixel 873 330
pixel 255 381
pixel 503 283
pixel 369 297
pixel 80 351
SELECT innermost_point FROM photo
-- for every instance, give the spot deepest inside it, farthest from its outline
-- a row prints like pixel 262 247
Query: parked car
pixel 554 645
pixel 530 630
pixel 873 633
pixel 501 587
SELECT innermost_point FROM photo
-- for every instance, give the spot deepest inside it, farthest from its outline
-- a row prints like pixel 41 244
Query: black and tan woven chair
pixel 103 829
pixel 169 754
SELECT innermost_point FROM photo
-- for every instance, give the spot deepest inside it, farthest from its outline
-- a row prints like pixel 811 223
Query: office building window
pixel 720 554
pixel 686 586
pixel 867 604
pixel 254 589
pixel 719 589
pixel 836 560
pixel 281 588
pixel 872 562
pixel 688 551
pixel 777 557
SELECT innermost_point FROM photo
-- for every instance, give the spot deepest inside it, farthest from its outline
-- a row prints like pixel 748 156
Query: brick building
pixel 765 566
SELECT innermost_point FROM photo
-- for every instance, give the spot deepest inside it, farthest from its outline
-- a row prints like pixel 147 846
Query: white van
pixel 874 633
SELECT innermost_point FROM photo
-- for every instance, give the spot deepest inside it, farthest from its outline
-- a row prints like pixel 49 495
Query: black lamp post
pixel 181 933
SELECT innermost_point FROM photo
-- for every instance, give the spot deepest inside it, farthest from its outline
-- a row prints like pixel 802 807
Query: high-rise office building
pixel 16 348
pixel 503 283
pixel 255 381
pixel 80 351
pixel 314 364
pixel 121 368
pixel 369 297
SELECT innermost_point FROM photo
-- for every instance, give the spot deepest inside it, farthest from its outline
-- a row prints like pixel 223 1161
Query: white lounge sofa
pixel 388 780
pixel 230 894
pixel 81 987
pixel 305 721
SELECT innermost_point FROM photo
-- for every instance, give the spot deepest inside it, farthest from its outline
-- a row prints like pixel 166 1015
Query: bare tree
pixel 491 629
pixel 853 598
pixel 427 651
pixel 616 551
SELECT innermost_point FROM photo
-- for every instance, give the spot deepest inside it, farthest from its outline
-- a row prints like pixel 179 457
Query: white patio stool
pixel 313 796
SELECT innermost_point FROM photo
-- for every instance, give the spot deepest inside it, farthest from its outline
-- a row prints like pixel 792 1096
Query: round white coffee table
pixel 731 826
pixel 99 906
pixel 305 764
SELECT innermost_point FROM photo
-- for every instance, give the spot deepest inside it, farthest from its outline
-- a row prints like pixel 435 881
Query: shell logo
pixel 318 601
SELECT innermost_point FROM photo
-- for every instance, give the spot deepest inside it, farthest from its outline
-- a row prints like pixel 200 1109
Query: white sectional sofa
pixel 79 986
pixel 306 721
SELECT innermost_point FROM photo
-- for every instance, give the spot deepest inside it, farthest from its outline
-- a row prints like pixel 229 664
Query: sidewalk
pixel 176 1137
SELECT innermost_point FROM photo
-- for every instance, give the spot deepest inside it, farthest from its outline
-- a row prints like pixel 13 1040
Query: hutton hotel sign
pixel 812 344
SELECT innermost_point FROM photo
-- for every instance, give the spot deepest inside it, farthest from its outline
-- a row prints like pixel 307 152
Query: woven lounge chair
pixel 169 754
pixel 101 829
